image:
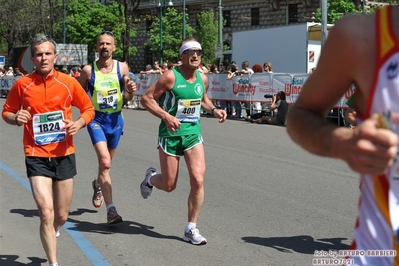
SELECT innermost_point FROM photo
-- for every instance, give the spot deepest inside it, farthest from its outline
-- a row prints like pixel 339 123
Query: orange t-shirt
pixel 47 98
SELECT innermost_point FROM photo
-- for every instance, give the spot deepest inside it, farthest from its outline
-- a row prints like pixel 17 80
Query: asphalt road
pixel 267 202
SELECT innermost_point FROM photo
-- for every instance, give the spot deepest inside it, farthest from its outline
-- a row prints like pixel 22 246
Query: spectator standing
pixel 350 113
pixel 106 80
pixel 245 68
pixel 232 71
pixel 10 72
pixel 257 68
pixel 148 70
pixel 371 148
pixel 75 72
pixel 214 69
pixel 157 68
pixel 180 131
pixel 268 67
pixel 18 73
pixel 165 67
pixel 50 161
pixel 247 104
pixel 223 67
pixel 65 70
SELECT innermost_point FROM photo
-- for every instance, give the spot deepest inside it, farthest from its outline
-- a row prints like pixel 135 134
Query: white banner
pixel 7 82
pixel 249 88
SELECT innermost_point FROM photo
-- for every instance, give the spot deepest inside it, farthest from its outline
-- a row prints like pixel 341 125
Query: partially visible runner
pixel 42 103
pixel 350 113
pixel 181 94
pixel 369 46
pixel 106 80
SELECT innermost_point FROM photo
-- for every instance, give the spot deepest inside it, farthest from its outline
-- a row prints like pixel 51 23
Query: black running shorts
pixel 57 168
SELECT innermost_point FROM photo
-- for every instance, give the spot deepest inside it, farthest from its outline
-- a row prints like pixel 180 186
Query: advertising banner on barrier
pixel 7 82
pixel 293 88
pixel 280 82
pixel 144 82
pixel 219 86
pixel 249 88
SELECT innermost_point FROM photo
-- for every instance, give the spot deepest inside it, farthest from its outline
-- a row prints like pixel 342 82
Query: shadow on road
pixel 11 260
pixel 26 213
pixel 126 227
pixel 300 244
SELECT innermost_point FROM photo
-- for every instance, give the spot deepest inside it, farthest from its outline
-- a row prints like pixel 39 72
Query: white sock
pixel 110 205
pixel 149 182
pixel 54 264
pixel 191 226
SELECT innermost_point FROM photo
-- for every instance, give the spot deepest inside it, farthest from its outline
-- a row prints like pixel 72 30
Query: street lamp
pixel 162 5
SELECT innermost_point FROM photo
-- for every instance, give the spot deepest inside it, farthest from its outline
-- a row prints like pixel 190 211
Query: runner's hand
pixel 23 116
pixel 70 127
pixel 370 148
pixel 172 123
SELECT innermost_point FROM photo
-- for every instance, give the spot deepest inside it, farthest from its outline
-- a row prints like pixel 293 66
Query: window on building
pixel 227 18
pixel 148 24
pixel 293 13
pixel 148 56
pixel 255 16
pixel 106 2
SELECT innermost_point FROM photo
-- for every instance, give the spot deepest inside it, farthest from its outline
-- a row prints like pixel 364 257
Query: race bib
pixel 48 128
pixel 107 99
pixel 188 110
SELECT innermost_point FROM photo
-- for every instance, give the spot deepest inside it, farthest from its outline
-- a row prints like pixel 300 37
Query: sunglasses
pixel 192 52
pixel 107 32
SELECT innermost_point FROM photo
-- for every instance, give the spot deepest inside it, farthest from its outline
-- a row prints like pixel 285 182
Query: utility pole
pixel 220 28
pixel 323 21
pixel 64 24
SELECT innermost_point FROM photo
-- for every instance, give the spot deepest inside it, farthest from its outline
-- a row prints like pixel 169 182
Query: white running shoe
pixel 194 237
pixel 144 188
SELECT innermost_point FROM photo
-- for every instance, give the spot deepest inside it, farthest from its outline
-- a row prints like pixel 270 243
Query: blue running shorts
pixel 106 127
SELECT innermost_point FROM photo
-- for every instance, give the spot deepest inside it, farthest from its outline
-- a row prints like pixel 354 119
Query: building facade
pixel 238 16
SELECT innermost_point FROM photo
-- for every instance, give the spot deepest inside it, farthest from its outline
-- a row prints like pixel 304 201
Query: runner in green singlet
pixel 181 94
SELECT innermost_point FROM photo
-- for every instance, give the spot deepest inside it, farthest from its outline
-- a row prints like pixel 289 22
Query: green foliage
pixel 336 9
pixel 85 19
pixel 84 27
pixel 208 34
pixel 172 34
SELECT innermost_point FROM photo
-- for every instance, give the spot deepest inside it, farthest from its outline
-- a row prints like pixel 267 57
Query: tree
pixel 19 20
pixel 127 48
pixel 84 27
pixel 208 34
pixel 336 9
pixel 172 34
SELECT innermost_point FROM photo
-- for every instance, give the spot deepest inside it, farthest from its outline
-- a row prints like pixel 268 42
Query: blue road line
pixel 85 246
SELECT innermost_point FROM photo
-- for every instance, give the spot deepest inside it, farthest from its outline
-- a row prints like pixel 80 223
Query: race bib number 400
pixel 188 110
pixel 48 128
